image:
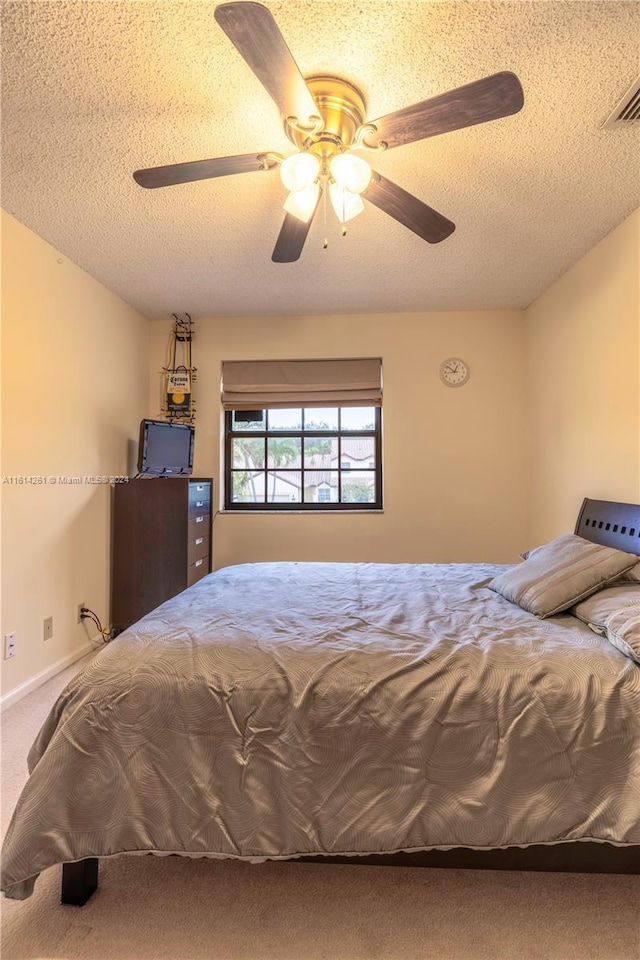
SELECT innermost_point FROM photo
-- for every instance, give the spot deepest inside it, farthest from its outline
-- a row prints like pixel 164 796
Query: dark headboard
pixel 612 524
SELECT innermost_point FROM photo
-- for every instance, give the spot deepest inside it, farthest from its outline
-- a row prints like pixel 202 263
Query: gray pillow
pixel 615 613
pixel 560 573
pixel 633 575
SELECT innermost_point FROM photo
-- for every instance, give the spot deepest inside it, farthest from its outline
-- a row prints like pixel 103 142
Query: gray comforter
pixel 280 709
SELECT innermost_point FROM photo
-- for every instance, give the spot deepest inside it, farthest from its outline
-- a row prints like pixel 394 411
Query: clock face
pixel 454 372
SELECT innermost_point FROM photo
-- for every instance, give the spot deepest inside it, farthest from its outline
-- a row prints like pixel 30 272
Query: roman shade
pixel 262 384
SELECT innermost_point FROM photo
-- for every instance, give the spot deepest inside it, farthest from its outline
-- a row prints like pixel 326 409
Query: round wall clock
pixel 454 372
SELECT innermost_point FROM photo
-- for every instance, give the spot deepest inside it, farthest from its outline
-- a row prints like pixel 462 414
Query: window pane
pixel 358 452
pixel 283 451
pixel 247 486
pixel 358 418
pixel 284 469
pixel 321 418
pixel 247 452
pixel 320 486
pixel 358 487
pixel 283 486
pixel 248 420
pixel 319 452
pixel 285 419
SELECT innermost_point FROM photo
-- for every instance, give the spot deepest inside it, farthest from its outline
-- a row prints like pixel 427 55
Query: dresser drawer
pixel 199 491
pixel 200 526
pixel 197 570
pixel 198 507
pixel 198 548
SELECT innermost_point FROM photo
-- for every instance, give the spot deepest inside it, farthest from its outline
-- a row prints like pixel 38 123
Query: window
pixel 298 458
pixel 303 434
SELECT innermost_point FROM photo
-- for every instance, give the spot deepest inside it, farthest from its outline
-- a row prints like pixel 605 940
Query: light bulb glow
pixel 299 171
pixel 302 203
pixel 346 204
pixel 350 171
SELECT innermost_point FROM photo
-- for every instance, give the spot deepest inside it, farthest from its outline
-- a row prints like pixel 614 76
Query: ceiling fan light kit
pixel 324 117
pixel 324 150
pixel 300 170
pixel 350 171
pixel 346 205
pixel 302 203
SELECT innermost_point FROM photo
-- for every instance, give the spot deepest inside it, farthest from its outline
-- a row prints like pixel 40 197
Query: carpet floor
pixel 151 908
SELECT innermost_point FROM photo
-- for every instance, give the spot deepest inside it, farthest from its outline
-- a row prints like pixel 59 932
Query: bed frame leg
pixel 79 880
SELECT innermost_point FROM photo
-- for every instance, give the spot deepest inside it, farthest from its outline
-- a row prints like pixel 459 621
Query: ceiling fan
pixel 324 118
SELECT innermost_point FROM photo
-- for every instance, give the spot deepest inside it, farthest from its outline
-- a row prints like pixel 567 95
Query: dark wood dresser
pixel 160 543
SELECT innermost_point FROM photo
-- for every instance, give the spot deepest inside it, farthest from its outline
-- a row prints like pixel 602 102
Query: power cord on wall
pixel 87 614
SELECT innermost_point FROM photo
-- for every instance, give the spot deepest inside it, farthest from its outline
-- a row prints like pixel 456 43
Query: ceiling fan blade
pixel 488 99
pixel 256 36
pixel 408 210
pixel 205 169
pixel 291 238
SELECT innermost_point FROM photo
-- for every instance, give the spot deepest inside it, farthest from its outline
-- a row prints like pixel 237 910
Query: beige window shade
pixel 259 384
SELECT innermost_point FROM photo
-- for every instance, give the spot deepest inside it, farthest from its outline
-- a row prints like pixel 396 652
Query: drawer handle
pixel 199 503
pixel 199 541
pixel 199 519
pixel 199 487
pixel 198 563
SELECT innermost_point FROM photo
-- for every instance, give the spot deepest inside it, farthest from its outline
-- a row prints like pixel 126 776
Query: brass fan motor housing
pixel 342 108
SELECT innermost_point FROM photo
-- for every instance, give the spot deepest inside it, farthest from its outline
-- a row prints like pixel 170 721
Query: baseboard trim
pixel 13 696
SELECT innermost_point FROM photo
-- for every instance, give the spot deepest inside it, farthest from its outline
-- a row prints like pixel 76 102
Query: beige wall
pixel 74 389
pixel 454 459
pixel 583 384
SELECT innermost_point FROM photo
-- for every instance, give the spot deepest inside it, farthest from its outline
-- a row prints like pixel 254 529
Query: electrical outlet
pixel 80 606
pixel 48 628
pixel 10 645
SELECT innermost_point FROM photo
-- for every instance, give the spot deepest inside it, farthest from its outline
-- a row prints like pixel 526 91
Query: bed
pixel 367 712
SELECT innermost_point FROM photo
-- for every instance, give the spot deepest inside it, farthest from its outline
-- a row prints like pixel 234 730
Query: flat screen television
pixel 165 449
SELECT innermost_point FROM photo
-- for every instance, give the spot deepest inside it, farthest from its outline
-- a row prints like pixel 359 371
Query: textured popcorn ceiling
pixel 95 89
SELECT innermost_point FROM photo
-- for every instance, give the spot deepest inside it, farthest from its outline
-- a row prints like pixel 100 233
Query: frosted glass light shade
pixel 299 170
pixel 346 205
pixel 302 203
pixel 350 171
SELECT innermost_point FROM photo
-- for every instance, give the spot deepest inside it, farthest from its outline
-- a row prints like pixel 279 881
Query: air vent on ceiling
pixel 627 111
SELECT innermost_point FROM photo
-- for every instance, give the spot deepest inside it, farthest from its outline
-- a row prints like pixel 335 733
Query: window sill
pixel 300 513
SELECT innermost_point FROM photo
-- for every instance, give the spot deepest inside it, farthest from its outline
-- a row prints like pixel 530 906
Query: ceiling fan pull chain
pixel 324 216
